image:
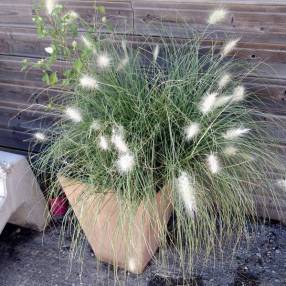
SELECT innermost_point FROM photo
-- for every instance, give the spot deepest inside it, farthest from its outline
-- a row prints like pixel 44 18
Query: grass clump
pixel 136 119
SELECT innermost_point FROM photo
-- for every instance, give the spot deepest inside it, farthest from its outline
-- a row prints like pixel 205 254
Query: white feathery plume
pixel 125 163
pixel 123 63
pixel 73 15
pixel 132 262
pixel 230 150
pixel 281 183
pixel 125 60
pixel 221 101
pixel 207 103
pixel 229 47
pixel 50 6
pixel 88 82
pixel 124 46
pixel 95 125
pixel 103 19
pixel 103 61
pixel 224 80
pixel 103 143
pixel 238 94
pixel 117 139
pixel 192 130
pixel 213 163
pixel 86 42
pixel 235 133
pixel 216 16
pixel 73 114
pixel 187 192
pixel 248 157
pixel 74 44
pixel 156 53
pixel 40 136
pixel 49 50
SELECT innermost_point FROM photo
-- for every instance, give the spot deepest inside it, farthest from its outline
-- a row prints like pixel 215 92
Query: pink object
pixel 58 206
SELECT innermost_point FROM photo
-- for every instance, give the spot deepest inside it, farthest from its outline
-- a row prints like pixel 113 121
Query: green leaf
pixel 53 78
pixel 24 64
pixel 66 82
pixel 101 9
pixel 78 65
pixel 46 78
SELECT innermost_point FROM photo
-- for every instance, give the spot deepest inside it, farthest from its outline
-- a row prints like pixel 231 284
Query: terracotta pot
pixel 117 236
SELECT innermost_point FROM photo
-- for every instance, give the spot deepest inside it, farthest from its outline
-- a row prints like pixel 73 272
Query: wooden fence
pixel 261 25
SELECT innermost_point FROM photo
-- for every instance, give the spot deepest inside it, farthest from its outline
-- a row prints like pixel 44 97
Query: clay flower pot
pixel 113 236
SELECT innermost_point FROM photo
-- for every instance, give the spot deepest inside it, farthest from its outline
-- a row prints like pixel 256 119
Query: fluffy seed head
pixel 123 63
pixel 40 136
pixel 103 61
pixel 216 16
pixel 103 19
pixel 74 44
pixel 221 101
pixel 95 125
pixel 155 53
pixel 229 47
pixel 117 139
pixel 213 163
pixel 103 143
pixel 281 183
pixel 235 133
pixel 132 263
pixel 238 94
pixel 192 130
pixel 230 150
pixel 50 6
pixel 86 42
pixel 71 16
pixel 49 50
pixel 88 82
pixel 208 102
pixel 187 192
pixel 125 163
pixel 124 46
pixel 73 114
pixel 224 80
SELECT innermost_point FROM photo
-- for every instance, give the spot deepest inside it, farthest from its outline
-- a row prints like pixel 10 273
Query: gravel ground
pixel 29 258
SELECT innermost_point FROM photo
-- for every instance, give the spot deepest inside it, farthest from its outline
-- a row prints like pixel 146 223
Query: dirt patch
pixel 35 259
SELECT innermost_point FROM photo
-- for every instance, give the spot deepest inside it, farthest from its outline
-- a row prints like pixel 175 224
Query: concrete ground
pixel 33 259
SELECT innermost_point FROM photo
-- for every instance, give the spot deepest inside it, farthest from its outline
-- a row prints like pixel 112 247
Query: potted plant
pixel 149 130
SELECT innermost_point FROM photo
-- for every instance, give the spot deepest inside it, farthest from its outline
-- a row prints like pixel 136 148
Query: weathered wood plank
pixel 10 71
pixel 16 139
pixel 253 22
pixel 15 85
pixel 24 42
pixel 25 94
pixel 21 13
pixel 25 118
